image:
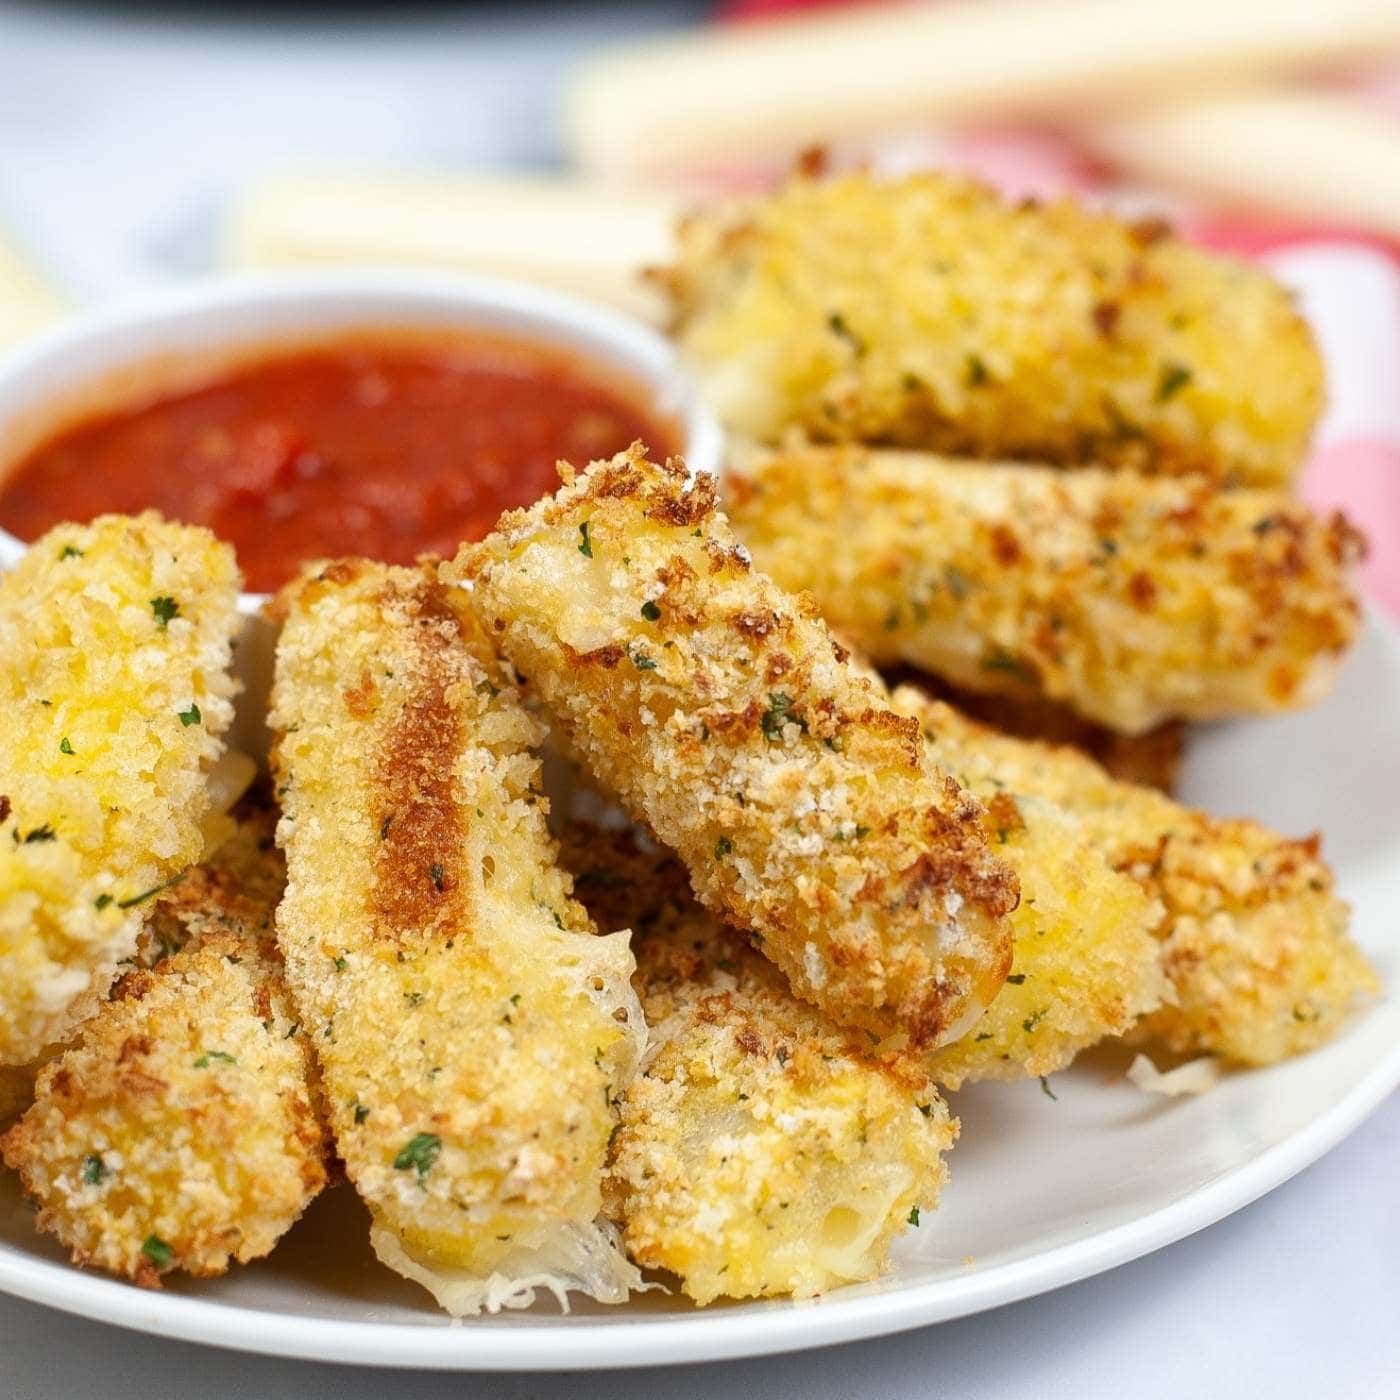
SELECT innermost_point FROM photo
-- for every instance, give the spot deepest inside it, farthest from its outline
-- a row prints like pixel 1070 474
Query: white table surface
pixel 122 136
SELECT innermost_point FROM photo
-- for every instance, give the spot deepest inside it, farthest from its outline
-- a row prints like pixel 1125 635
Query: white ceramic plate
pixel 1042 1192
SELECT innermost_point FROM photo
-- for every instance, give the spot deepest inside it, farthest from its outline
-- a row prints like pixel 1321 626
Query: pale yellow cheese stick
pixel 584 237
pixel 1313 155
pixel 705 96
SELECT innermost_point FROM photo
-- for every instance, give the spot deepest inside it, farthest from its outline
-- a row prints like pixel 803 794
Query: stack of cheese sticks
pixel 713 1043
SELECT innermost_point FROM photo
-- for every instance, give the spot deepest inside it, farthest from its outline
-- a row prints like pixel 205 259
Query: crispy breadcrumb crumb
pixel 1152 759
pixel 764 1151
pixel 471 1028
pixel 1253 937
pixel 179 1131
pixel 1132 600
pixel 723 714
pixel 1086 965
pixel 114 692
pixel 929 312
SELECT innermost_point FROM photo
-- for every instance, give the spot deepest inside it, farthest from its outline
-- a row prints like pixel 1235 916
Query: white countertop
pixel 122 137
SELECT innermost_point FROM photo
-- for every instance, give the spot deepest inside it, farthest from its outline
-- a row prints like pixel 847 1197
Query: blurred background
pixel 557 142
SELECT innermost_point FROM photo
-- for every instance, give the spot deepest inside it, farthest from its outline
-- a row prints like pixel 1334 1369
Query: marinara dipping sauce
pixel 387 445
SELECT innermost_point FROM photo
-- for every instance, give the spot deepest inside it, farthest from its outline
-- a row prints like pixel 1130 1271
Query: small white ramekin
pixel 98 360
pixel 169 339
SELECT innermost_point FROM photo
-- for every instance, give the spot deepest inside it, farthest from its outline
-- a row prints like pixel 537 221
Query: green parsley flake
pixel 837 322
pixel 94 1169
pixel 65 745
pixel 585 545
pixel 958 583
pixel 999 660
pixel 723 847
pixel 419 1154
pixel 914 1217
pixel 158 1252
pixel 1047 1090
pixel 71 552
pixel 164 609
pixel 222 1056
pixel 1174 377
pixel 651 612
pixel 778 714
pixel 190 716
pixel 102 901
pixel 151 893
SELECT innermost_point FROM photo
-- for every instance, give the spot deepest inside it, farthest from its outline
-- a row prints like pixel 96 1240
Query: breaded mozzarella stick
pixel 930 312
pixel 1253 937
pixel 723 714
pixel 764 1151
pixel 471 1029
pixel 114 692
pixel 1132 599
pixel 1086 966
pixel 180 1130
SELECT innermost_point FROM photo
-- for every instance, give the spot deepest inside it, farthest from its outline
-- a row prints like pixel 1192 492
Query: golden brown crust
pixel 418 874
pixel 115 643
pixel 764 1151
pixel 1130 599
pixel 989 329
pixel 1253 937
pixel 460 1005
pixel 180 1130
pixel 724 715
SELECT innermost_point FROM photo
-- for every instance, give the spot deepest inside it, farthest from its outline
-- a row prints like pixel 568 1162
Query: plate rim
pixel 772 1327
pixel 780 1326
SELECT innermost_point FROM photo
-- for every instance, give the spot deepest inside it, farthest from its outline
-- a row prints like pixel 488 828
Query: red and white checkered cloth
pixel 1347 282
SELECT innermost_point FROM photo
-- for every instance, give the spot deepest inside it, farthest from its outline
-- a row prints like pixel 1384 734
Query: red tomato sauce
pixel 386 448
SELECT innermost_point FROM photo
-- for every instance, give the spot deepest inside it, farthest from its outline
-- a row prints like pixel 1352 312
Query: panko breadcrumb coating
pixel 1152 759
pixel 1253 938
pixel 179 1131
pixel 114 691
pixel 929 312
pixel 471 1028
pixel 764 1151
pixel 722 713
pixel 1086 964
pixel 1132 599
